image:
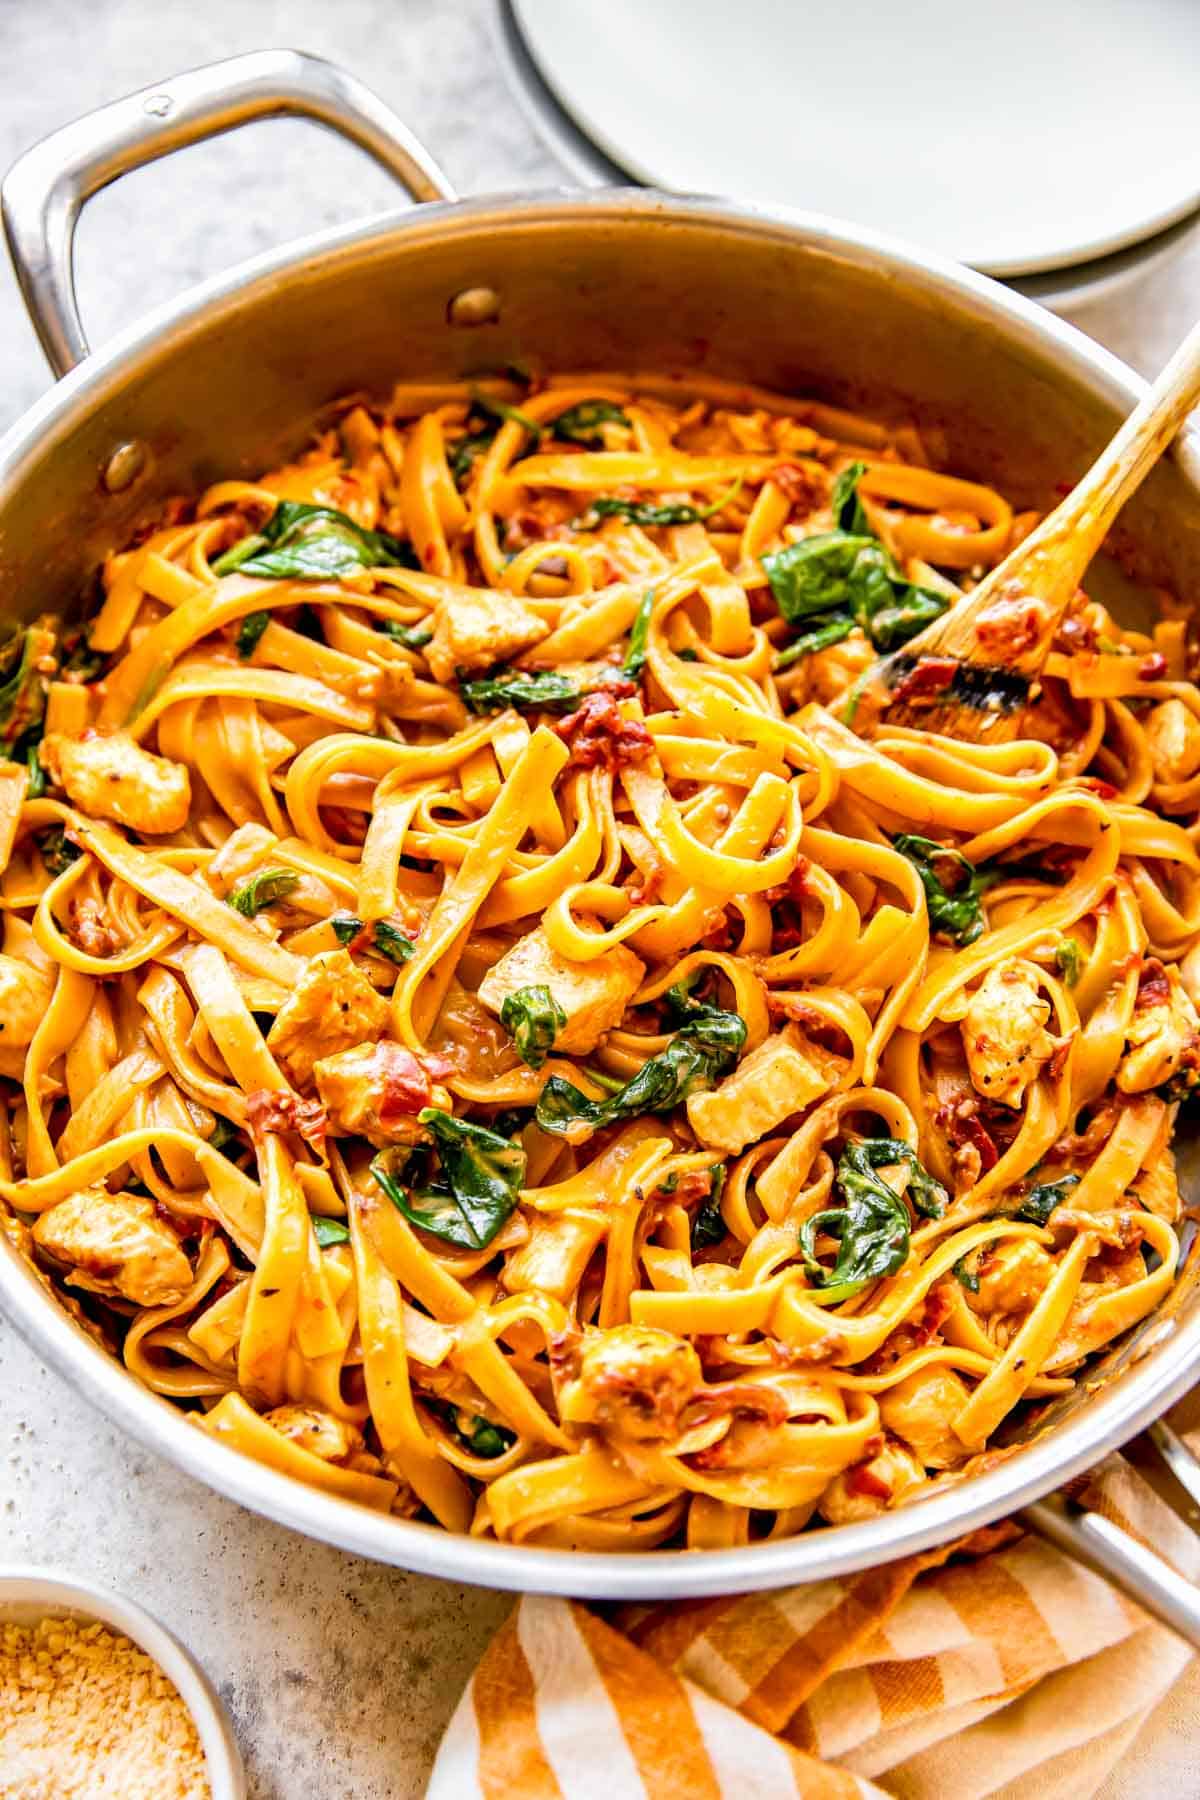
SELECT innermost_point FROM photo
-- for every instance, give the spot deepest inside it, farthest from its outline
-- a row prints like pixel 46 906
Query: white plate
pixel 1016 135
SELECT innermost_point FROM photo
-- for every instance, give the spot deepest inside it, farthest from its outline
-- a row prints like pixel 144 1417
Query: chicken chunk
pixel 333 1440
pixel 1012 1278
pixel 376 1091
pixel 1173 737
pixel 783 1076
pixel 1005 1033
pixel 116 1244
pixel 25 993
pixel 921 1411
pixel 114 778
pixel 332 1007
pixel 1163 1038
pixel 476 631
pixel 635 1380
pixel 871 1487
pixel 593 995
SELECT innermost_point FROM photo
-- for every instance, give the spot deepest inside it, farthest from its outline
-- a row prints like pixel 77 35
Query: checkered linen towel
pixel 999 1668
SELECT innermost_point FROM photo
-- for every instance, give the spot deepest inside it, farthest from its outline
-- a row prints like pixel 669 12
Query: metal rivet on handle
pixel 124 466
pixel 474 306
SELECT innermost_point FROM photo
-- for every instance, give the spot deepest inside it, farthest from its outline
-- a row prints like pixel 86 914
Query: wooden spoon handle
pixel 1085 517
pixel 1048 566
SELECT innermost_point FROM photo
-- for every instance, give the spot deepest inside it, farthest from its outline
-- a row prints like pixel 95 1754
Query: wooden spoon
pixel 968 675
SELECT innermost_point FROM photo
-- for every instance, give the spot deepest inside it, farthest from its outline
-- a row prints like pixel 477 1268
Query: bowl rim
pixel 1132 1400
pixel 50 1593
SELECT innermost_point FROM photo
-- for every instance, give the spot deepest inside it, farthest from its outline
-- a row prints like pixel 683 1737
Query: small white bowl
pixel 27 1595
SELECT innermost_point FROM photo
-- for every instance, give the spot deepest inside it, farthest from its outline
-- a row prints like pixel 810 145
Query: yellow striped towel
pixel 1001 1670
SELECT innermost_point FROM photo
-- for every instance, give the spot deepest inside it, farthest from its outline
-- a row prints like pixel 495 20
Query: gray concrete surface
pixel 341 1675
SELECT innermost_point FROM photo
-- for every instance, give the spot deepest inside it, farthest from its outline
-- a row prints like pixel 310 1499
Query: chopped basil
pixel 954 910
pixel 701 1051
pixel 872 1226
pixel 1069 959
pixel 533 1019
pixel 330 1231
pixel 314 543
pixel 1041 1201
pixel 476 1188
pixel 579 424
pixel 250 631
pixel 639 634
pixel 262 890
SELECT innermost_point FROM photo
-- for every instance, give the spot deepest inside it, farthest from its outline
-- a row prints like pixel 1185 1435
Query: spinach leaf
pixel 708 1226
pixel 1041 1201
pixel 463 457
pixel 225 1137
pixel 262 890
pixel 413 637
pixel 653 513
pixel 80 659
pixel 701 1051
pixel 250 631
pixel 547 692
pixel 314 543
pixel 849 513
pixel 56 849
pixel 533 1019
pixel 872 1227
pixel 35 787
pixel 953 910
pixel 499 409
pixel 578 425
pixel 838 627
pixel 478 1434
pixel 967 1277
pixel 639 634
pixel 240 553
pixel 330 1231
pixel 477 1188
pixel 23 691
pixel 384 937
pixel 847 574
pixel 1069 959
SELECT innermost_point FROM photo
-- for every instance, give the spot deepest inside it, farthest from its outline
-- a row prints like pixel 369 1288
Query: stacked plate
pixel 1048 141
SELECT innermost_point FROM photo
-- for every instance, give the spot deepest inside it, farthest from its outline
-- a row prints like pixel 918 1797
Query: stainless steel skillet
pixel 228 377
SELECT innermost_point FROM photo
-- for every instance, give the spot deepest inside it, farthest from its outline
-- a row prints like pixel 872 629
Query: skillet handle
pixel 1103 1547
pixel 47 188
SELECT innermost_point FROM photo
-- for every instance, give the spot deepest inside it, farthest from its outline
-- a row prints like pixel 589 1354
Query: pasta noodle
pixel 488 1030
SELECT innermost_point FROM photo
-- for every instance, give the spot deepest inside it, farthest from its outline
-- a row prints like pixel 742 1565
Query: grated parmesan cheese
pixel 86 1715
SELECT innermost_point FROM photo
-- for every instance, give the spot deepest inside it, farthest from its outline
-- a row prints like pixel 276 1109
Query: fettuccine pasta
pixel 488 1030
